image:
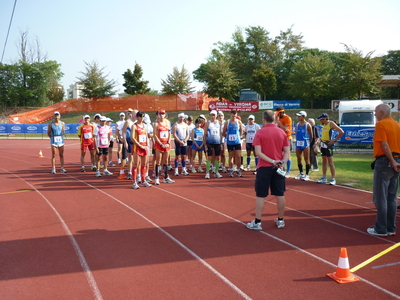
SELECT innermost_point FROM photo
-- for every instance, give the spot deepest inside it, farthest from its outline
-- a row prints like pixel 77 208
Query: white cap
pixel 103 118
pixel 86 116
pixel 122 114
pixel 56 113
pixel 220 112
pixel 108 120
pixel 302 113
pixel 181 115
pixel 251 117
pixel 146 119
pixel 213 112
pixel 97 115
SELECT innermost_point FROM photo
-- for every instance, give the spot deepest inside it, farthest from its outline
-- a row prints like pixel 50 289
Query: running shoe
pixel 372 231
pixel 98 173
pixel 247 169
pixel 129 177
pixel 200 170
pixel 255 172
pixel 146 184
pixel 207 175
pixel 94 168
pixel 111 164
pixel 193 170
pixel 53 171
pixel 241 167
pixel 279 223
pixel 169 167
pixel 213 170
pixel 176 173
pixel 306 178
pixel 168 180
pixel 391 233
pixel 135 186
pixel 217 175
pixel 83 170
pixel 231 173
pixel 184 172
pixel 224 169
pixel 239 173
pixel 300 176
pixel 63 170
pixel 254 226
pixel 156 181
pixel 332 182
pixel 287 175
pixel 106 172
pixel 323 180
pixel 148 179
pixel 315 170
pixel 119 161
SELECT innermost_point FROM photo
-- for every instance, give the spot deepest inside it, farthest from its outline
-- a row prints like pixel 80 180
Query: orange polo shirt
pixel 287 122
pixel 387 130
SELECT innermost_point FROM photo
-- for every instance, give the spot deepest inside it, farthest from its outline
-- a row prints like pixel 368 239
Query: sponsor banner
pixel 287 104
pixel 71 128
pixel 228 106
pixel 357 134
pixel 16 128
pixel 3 128
pixel 264 105
pixel 33 128
pixel 394 104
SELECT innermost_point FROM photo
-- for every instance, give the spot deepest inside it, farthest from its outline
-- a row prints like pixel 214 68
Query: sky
pixel 160 35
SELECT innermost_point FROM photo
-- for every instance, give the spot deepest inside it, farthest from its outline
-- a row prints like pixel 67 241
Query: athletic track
pixel 75 236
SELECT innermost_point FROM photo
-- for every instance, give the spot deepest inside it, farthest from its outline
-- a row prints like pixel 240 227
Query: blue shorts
pixel 180 150
pixel 198 144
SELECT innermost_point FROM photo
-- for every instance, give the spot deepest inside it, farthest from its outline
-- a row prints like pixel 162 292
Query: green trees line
pixel 277 68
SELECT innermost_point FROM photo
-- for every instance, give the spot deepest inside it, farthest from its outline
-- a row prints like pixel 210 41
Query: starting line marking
pixel 375 257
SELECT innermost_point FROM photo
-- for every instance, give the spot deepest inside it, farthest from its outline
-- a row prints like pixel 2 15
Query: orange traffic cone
pixel 40 153
pixel 342 274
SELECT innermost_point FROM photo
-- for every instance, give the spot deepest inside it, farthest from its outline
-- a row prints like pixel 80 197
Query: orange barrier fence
pixel 147 103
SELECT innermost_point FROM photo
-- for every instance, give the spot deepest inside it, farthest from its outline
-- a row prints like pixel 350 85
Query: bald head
pixel 382 111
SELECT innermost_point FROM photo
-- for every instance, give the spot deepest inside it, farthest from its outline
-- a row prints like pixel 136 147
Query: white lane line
pixel 192 253
pixel 81 257
pixel 387 265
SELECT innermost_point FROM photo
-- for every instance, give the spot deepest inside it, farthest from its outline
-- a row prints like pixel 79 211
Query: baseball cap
pixel 108 120
pixel 186 116
pixel 97 115
pixel 213 112
pixel 129 109
pixel 323 116
pixel 202 117
pixel 251 117
pixel 122 114
pixel 161 111
pixel 103 118
pixel 301 113
pixel 181 115
pixel 86 116
pixel 56 113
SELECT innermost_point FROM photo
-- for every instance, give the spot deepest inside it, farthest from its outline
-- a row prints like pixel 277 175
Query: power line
pixel 8 32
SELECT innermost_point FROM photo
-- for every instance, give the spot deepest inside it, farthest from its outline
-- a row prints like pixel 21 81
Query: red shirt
pixel 272 139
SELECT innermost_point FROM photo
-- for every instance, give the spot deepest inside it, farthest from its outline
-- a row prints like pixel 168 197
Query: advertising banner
pixel 228 106
pixel 3 128
pixel 33 128
pixel 15 128
pixel 357 134
pixel 287 104
pixel 264 105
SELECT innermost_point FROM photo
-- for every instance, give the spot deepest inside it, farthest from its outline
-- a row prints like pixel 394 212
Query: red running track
pixel 75 236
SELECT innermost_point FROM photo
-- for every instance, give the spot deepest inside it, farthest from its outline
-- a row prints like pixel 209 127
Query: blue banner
pixel 357 134
pixel 15 128
pixel 33 128
pixel 287 104
pixel 3 128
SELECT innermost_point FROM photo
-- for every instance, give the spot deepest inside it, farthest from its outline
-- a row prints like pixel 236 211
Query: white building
pixel 75 91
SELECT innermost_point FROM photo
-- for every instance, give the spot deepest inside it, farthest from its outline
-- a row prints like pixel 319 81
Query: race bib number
pixel 163 134
pixel 232 137
pixel 300 143
pixel 215 131
pixel 250 139
pixel 142 138
pixel 57 139
pixel 199 137
pixel 324 145
pixel 104 142
pixel 87 135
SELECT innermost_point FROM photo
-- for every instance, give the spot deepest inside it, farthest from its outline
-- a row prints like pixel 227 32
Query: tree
pixel 30 52
pixel 264 81
pixel 311 77
pixel 177 82
pixel 391 63
pixel 56 92
pixel 134 84
pixel 360 73
pixel 95 82
pixel 220 81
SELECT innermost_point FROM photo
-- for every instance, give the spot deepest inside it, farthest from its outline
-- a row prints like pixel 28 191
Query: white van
pixel 357 120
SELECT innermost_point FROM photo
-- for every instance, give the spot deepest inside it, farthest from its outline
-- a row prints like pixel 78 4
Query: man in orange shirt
pixel 284 122
pixel 86 135
pixel 386 171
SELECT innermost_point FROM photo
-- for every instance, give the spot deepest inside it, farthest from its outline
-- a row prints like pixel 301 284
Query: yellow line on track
pixel 13 192
pixel 374 257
